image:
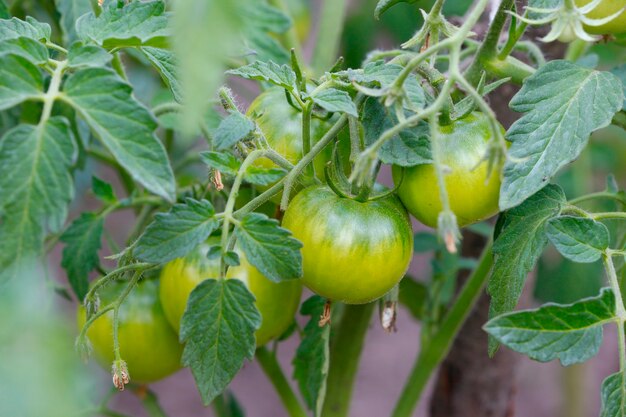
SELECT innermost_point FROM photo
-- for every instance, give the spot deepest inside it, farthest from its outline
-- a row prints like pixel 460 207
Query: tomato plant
pixel 346 242
pixel 472 190
pixel 146 340
pixel 191 166
pixel 282 128
pixel 277 302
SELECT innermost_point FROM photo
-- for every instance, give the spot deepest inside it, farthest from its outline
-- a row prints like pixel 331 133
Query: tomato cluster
pixel 277 303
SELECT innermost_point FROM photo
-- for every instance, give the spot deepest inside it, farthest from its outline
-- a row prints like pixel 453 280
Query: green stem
pixel 308 158
pixel 575 50
pixel 275 374
pixel 620 311
pixel 116 310
pixel 438 164
pixel 230 203
pixel 328 35
pixel 105 279
pixel 53 91
pixel 594 196
pixel 609 215
pixel 489 49
pixel 118 66
pixel 432 353
pixel 345 352
pixel 306 135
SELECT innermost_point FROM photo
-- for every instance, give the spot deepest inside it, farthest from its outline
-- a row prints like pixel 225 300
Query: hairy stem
pixel 438 346
pixel 345 351
pixel 273 371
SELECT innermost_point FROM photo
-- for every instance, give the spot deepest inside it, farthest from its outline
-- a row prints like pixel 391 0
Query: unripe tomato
pixel 604 9
pixel 281 125
pixel 352 251
pixel 148 343
pixel 277 303
pixel 472 196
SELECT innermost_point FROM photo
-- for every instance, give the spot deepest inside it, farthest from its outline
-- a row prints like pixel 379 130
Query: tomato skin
pixel 277 303
pixel 353 252
pixel 281 125
pixel 605 9
pixel 472 197
pixel 148 343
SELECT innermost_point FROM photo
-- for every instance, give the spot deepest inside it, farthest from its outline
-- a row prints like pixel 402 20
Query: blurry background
pixel 35 332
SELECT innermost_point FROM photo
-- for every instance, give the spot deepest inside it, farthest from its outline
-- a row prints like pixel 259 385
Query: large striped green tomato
pixel 148 343
pixel 473 196
pixel 605 9
pixel 277 303
pixel 353 251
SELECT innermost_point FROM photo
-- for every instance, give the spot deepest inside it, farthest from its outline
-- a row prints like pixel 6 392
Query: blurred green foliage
pixel 40 373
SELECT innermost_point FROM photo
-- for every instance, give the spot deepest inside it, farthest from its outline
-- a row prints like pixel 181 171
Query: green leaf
pixel 614 396
pixel 520 238
pixel 620 72
pixel 80 55
pixel 557 124
pixel 234 128
pixel 578 239
pixel 231 258
pixel 123 125
pixel 4 10
pixel 269 247
pixel 263 176
pixel 224 162
pixel 103 190
pixel 425 242
pixel 280 75
pixel 382 75
pixel 409 148
pixel 165 63
pixel 30 28
pixel 312 357
pixel 571 333
pixel 35 188
pixel 174 234
pixel 70 11
pixel 80 255
pixel 413 295
pixel 25 47
pixel 20 80
pixel 259 21
pixel 138 23
pixel 384 5
pixel 218 331
pixel 334 100
pixel 228 164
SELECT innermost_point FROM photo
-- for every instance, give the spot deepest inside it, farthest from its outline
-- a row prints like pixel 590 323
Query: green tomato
pixel 277 303
pixel 473 197
pixel 281 125
pixel 353 251
pixel 148 343
pixel 605 9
